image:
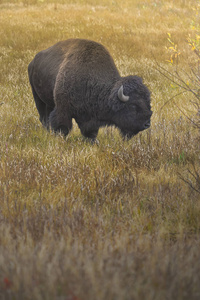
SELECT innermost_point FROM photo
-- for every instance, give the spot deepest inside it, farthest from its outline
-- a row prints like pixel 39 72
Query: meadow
pixel 112 220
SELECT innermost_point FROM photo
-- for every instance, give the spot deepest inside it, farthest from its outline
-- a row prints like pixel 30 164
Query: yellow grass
pixel 115 220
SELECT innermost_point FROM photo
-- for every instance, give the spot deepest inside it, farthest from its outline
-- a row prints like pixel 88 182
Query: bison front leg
pixel 60 122
pixel 91 134
pixel 89 129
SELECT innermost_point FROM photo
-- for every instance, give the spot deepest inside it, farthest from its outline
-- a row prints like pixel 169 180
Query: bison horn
pixel 121 95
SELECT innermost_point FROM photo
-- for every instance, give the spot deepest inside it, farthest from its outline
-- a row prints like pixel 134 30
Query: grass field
pixel 117 220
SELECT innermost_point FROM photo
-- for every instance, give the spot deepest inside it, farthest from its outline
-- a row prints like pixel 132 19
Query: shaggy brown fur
pixel 78 79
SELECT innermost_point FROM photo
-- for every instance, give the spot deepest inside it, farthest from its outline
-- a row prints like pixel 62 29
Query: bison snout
pixel 147 125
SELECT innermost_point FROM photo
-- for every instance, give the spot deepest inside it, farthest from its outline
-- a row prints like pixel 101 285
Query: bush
pixel 186 81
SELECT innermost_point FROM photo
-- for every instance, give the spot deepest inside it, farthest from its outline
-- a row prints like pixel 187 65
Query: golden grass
pixel 113 220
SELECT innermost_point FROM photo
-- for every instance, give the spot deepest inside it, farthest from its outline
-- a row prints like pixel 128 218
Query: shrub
pixel 185 81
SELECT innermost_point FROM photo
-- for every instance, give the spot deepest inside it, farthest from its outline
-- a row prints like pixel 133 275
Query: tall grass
pixel 113 220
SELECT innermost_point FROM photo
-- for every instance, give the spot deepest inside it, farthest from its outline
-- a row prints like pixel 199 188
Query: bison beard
pixel 78 79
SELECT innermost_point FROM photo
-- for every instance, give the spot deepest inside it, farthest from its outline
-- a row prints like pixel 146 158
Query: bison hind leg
pixel 44 110
pixel 60 124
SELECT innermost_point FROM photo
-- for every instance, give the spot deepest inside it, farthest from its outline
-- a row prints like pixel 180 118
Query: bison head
pixel 130 102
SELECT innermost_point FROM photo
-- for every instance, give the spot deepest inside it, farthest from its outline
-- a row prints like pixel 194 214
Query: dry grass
pixel 114 220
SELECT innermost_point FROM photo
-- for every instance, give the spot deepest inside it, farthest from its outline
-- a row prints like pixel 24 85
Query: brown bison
pixel 78 79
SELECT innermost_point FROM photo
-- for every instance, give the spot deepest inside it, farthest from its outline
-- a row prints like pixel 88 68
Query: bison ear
pixel 121 95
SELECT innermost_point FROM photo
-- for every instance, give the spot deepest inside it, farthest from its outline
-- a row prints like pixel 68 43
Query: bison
pixel 78 79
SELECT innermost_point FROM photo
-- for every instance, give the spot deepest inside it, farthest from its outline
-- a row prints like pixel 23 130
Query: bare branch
pixel 189 183
pixel 192 121
pixel 169 78
pixel 178 94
